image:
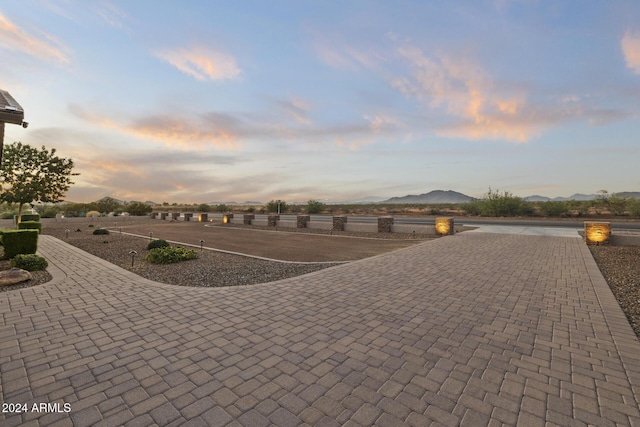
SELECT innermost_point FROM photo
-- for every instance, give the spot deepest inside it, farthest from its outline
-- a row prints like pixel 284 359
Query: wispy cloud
pixel 630 44
pixel 42 46
pixel 296 108
pixel 202 63
pixel 476 108
pixel 112 15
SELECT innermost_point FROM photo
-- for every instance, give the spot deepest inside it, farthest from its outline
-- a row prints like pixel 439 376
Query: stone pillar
pixel 247 218
pixel 203 217
pixel 175 216
pixel 153 215
pixel 226 218
pixel 384 224
pixel 444 226
pixel 339 222
pixel 188 216
pixel 272 220
pixel 302 220
pixel 597 233
pixel 164 215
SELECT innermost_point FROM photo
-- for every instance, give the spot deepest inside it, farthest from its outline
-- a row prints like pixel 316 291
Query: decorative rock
pixel 13 276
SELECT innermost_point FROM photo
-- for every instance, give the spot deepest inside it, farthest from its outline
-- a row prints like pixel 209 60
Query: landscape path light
pixel 133 256
pixel 201 244
pixel 151 235
pixel 66 233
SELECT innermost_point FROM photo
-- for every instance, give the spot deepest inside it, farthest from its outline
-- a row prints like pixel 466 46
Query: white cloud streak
pixel 202 63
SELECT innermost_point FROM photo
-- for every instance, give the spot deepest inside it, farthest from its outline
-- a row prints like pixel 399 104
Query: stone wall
pixel 272 220
pixel 302 220
pixel 339 222
pixel 247 218
pixel 384 224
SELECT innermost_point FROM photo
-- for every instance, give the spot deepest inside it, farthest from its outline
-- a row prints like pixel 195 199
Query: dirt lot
pixel 287 246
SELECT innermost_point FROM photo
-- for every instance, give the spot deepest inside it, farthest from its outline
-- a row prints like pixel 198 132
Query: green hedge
pixel 101 231
pixel 159 243
pixel 169 255
pixel 30 225
pixel 27 217
pixel 18 242
pixel 29 262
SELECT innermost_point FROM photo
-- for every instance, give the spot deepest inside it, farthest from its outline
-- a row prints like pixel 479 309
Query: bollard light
pixel 66 232
pixel 201 244
pixel 597 233
pixel 133 256
pixel 151 235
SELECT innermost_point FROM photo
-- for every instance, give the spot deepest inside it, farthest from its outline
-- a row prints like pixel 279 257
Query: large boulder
pixel 13 276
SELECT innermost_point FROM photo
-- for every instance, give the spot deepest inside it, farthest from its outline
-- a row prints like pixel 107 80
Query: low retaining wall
pixel 290 224
pixel 320 225
pixel 360 227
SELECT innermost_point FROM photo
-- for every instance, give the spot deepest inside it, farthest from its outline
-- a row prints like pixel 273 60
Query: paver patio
pixel 473 329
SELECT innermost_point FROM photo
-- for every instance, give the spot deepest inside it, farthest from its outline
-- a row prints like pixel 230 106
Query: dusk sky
pixel 217 101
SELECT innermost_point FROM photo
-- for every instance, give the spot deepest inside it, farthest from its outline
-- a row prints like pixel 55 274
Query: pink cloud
pixel 44 47
pixel 202 63
pixel 630 44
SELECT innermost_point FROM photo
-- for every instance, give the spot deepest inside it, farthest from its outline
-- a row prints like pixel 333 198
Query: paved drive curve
pixel 474 329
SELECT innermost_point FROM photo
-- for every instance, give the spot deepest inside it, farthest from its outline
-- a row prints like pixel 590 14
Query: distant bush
pixel 29 262
pixel 159 243
pixel 101 231
pixel 473 207
pixel 203 207
pixel 170 255
pixel 314 207
pixel 554 208
pixel 18 242
pixel 30 225
pixel 93 214
pixel 634 207
pixel 277 206
pixel 138 208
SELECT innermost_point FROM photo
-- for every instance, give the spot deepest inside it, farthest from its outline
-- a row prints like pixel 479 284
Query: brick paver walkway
pixel 473 329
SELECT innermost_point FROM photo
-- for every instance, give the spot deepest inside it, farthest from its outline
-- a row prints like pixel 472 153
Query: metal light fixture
pixel 10 112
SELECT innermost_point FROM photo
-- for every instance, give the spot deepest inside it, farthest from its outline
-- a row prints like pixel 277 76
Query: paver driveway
pixel 473 329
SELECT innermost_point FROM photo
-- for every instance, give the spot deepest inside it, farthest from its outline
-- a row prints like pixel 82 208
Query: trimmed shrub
pixel 29 262
pixel 27 217
pixel 159 243
pixel 18 242
pixel 30 225
pixel 169 255
pixel 101 231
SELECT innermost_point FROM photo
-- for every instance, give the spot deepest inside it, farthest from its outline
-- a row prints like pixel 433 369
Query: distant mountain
pixel 629 194
pixel 432 197
pixel 364 200
pixel 577 196
pixel 536 198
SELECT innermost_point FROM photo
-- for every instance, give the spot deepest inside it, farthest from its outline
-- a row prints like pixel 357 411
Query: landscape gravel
pixel 620 266
pixel 210 269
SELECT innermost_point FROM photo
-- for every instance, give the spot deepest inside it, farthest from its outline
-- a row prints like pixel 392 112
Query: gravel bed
pixel 37 277
pixel 620 266
pixel 211 269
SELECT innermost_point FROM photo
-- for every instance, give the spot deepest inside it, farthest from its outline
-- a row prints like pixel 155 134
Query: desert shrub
pixel 169 255
pixel 159 243
pixel 93 214
pixel 101 231
pixel 49 212
pixel 203 207
pixel 18 242
pixel 277 206
pixel 314 207
pixel 29 262
pixel 138 208
pixel 30 225
pixel 554 208
pixel 473 207
pixel 634 207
